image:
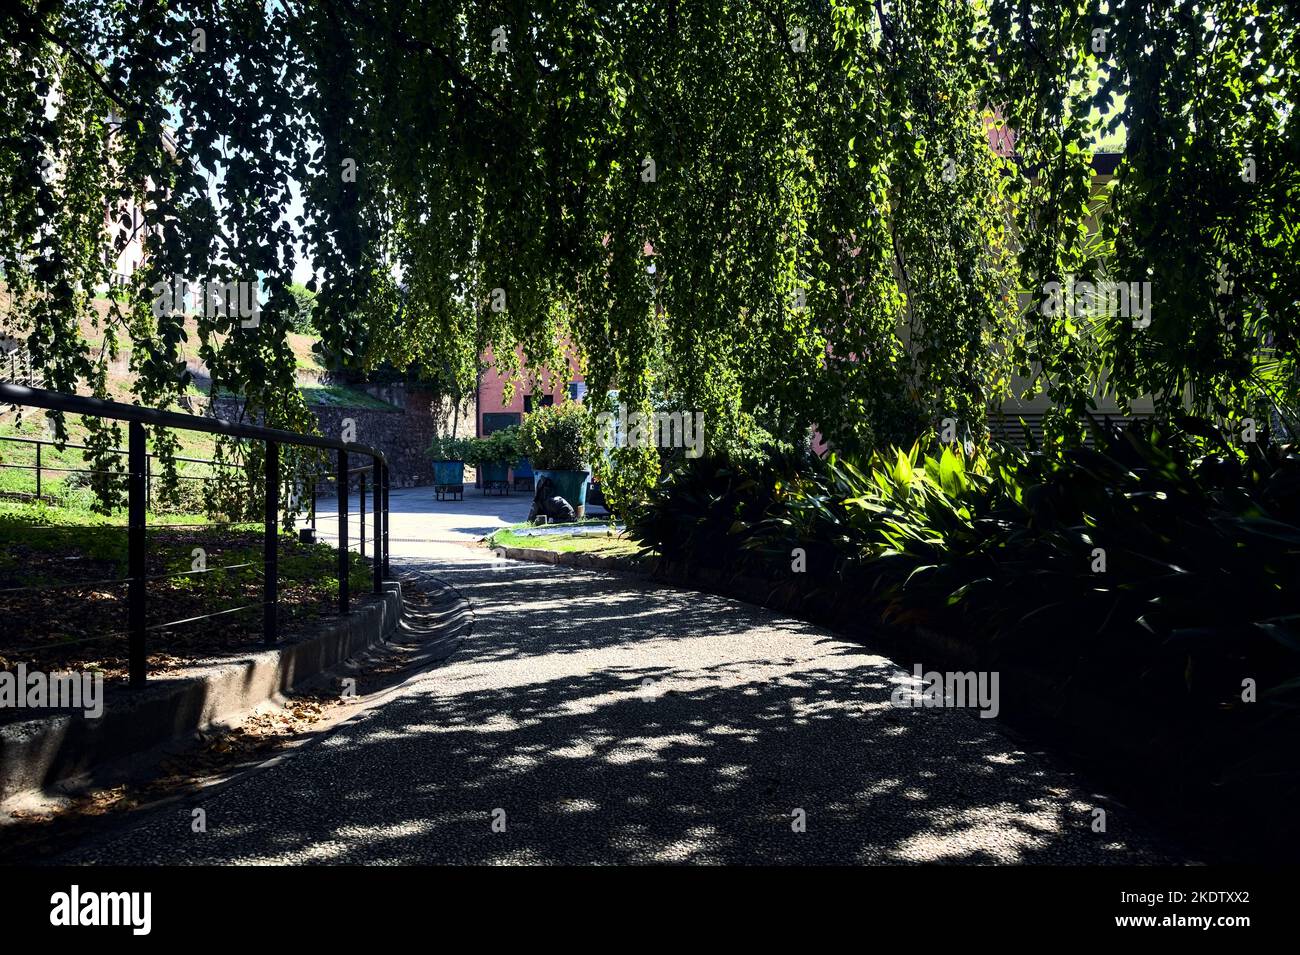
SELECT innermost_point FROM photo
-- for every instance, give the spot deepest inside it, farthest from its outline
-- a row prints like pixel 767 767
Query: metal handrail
pixel 52 442
pixel 43 469
pixel 78 404
pixel 137 475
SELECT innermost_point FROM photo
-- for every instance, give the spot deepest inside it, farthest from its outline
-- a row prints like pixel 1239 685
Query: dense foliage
pixel 557 437
pixel 1156 571
pixel 1203 205
pixel 451 449
pixel 499 447
pixel 299 312
pixel 1154 537
pixel 782 216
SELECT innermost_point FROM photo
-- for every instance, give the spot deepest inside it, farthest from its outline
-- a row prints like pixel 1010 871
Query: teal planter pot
pixel 496 471
pixel 448 472
pixel 570 485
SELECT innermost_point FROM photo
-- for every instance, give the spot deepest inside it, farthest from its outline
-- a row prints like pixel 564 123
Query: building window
pixel 496 421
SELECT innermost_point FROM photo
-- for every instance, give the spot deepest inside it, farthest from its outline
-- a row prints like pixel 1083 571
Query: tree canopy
pixel 783 213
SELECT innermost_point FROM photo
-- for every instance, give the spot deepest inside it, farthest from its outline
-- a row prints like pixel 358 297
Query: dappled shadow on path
pixel 608 720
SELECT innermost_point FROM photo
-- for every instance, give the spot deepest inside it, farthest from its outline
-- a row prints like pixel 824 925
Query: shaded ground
pixel 31 832
pixel 599 718
pixel 62 608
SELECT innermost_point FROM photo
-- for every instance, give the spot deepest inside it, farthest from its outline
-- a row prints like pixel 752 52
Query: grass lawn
pixel 341 396
pixel 58 482
pixel 610 544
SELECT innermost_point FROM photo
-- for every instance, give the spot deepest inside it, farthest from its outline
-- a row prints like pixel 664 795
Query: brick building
pixel 494 412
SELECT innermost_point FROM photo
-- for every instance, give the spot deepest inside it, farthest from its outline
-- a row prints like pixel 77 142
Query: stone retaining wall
pixel 38 757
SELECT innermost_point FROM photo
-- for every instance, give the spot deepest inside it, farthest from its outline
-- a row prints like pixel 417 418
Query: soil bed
pixel 59 613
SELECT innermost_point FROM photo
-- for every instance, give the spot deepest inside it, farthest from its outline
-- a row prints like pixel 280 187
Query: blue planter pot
pixel 570 485
pixel 524 468
pixel 448 472
pixel 495 471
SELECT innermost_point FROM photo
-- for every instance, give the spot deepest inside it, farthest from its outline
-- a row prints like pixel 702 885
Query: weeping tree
pixel 1203 205
pixel 169 128
pixel 749 209
pixel 785 215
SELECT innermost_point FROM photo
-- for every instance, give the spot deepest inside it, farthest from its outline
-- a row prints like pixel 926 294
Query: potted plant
pixel 449 455
pixel 523 473
pixel 556 439
pixel 494 454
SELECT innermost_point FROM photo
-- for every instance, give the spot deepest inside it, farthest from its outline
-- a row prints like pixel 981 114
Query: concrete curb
pixel 574 559
pixel 40 756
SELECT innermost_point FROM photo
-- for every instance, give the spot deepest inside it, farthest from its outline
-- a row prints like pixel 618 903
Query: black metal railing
pixel 42 469
pixel 138 478
pixel 16 366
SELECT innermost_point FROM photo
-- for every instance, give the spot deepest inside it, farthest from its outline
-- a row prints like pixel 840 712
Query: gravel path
pixel 595 718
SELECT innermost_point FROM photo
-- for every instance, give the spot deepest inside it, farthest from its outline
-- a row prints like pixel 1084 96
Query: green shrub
pixel 501 446
pixel 627 476
pixel 707 509
pixel 1005 548
pixel 451 449
pixel 302 301
pixel 557 437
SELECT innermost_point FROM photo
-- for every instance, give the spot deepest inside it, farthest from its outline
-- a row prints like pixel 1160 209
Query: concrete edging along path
pixel 41 755
pixel 572 559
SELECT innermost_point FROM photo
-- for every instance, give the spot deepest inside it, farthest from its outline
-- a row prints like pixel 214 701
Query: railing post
pixel 343 531
pixel 386 517
pixel 381 527
pixel 361 511
pixel 135 553
pixel 38 470
pixel 314 478
pixel 271 546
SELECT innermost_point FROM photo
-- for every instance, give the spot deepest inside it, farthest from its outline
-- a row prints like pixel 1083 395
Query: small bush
pixel 501 446
pixel 451 449
pixel 557 437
